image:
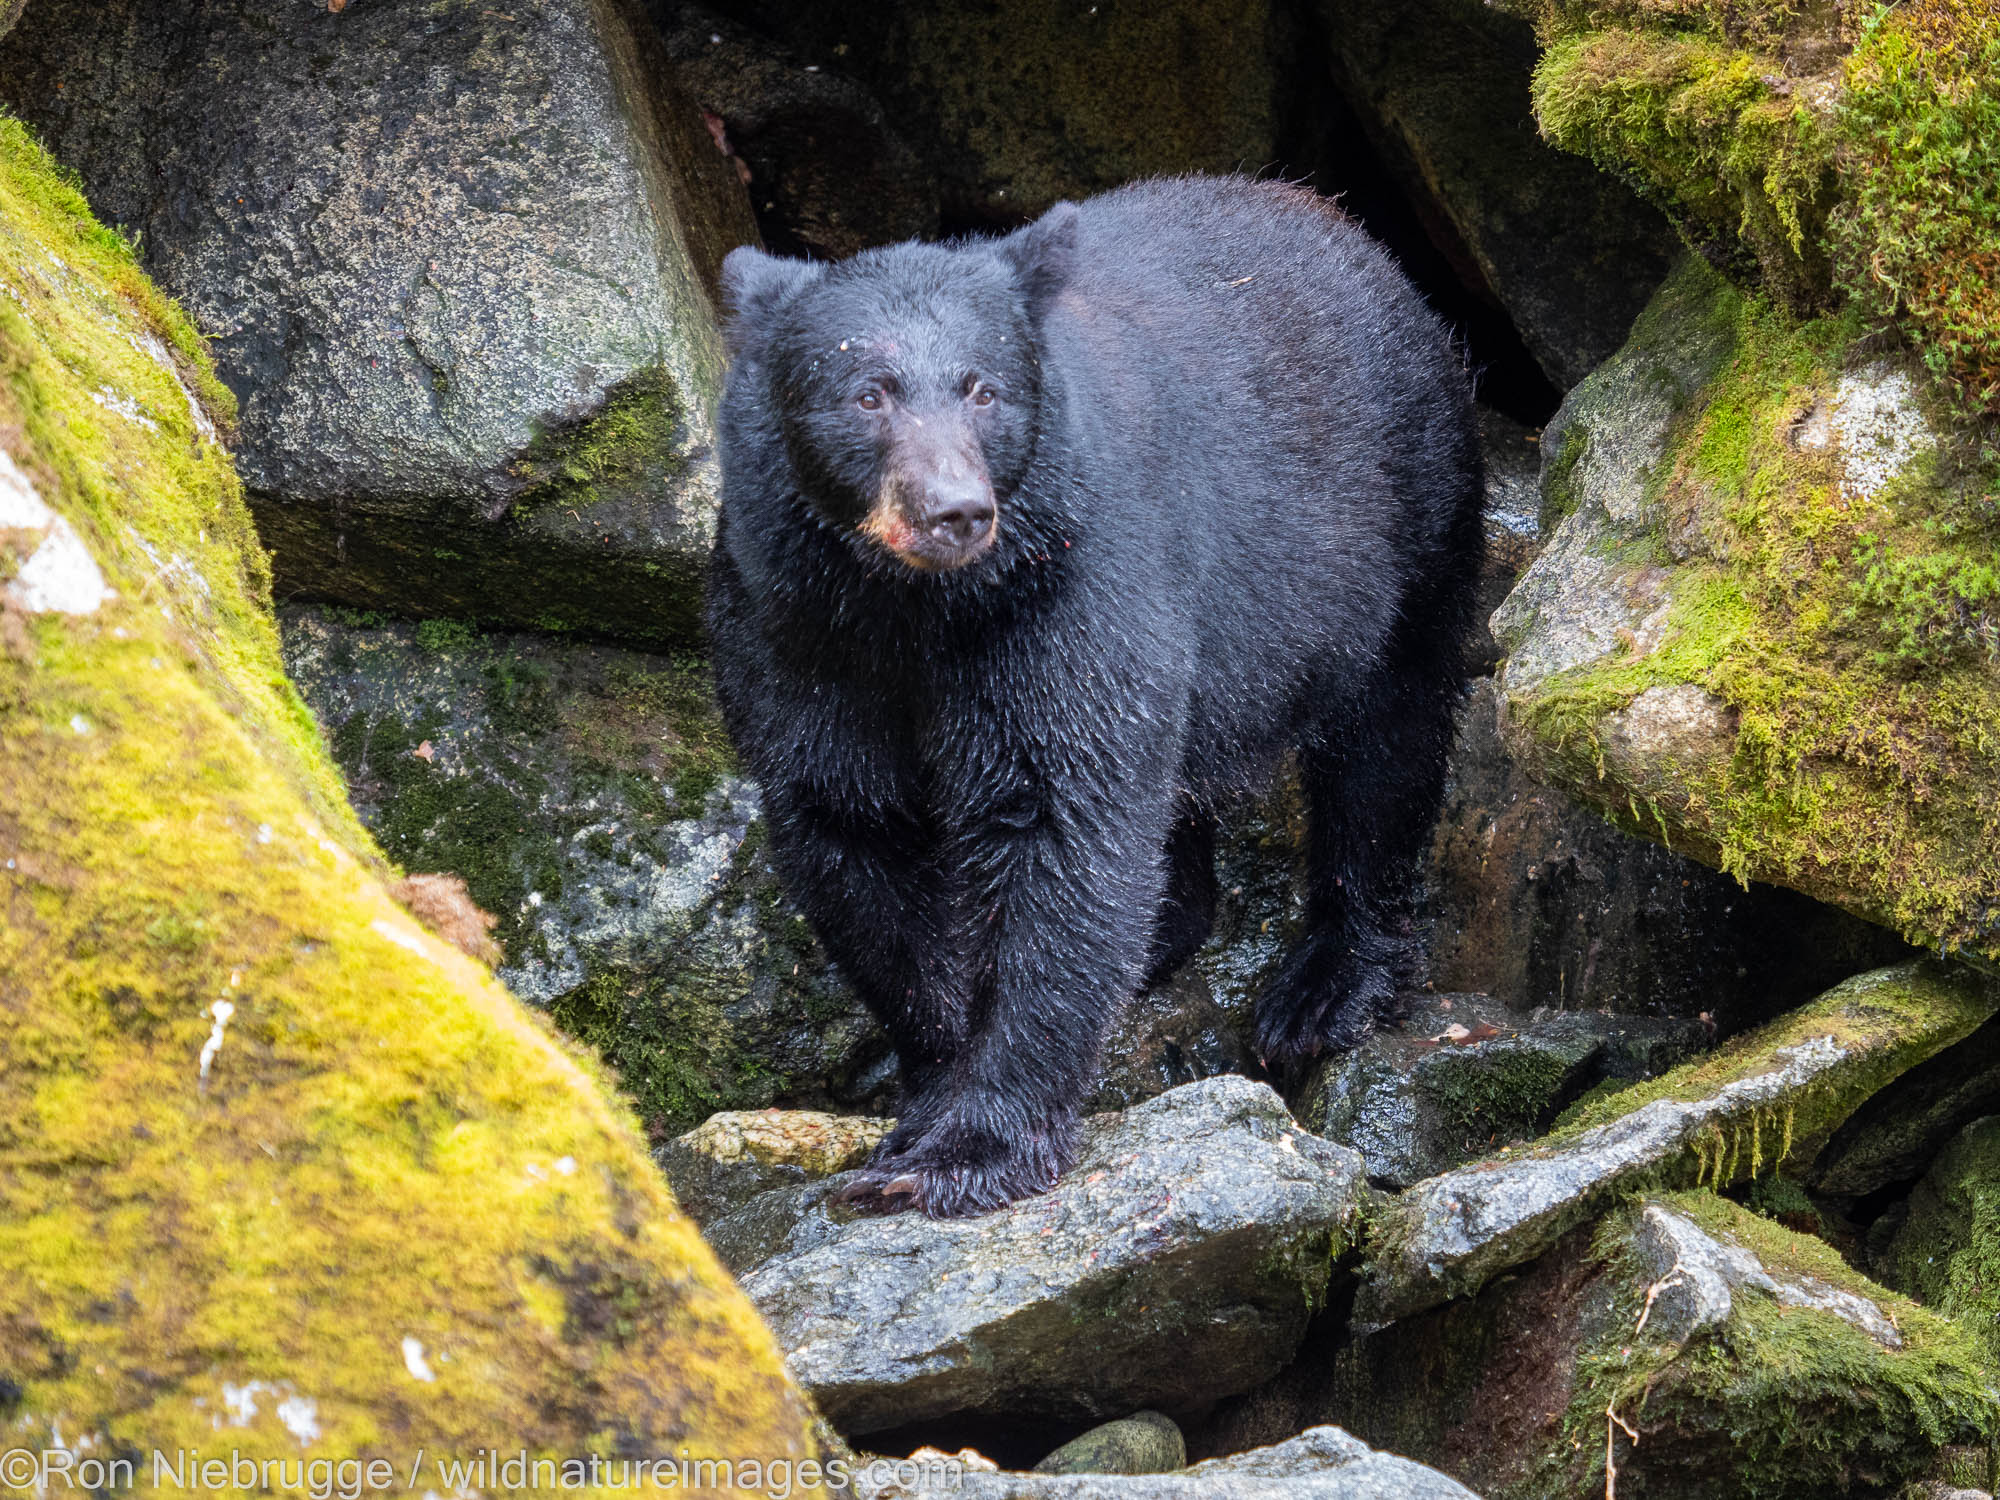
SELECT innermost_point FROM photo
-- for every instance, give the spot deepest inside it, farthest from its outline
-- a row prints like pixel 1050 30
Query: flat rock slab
pixel 741 1154
pixel 1770 1096
pixel 1177 1262
pixel 1323 1463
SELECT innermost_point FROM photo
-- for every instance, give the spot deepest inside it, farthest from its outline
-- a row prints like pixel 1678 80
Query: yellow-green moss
pixel 384 1147
pixel 1779 1401
pixel 1887 1022
pixel 1855 640
pixel 1823 148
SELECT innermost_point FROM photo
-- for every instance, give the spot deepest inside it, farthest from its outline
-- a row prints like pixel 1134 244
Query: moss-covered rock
pixel 1767 630
pixel 460 267
pixel 586 795
pixel 1768 1098
pixel 1706 1352
pixel 1947 1252
pixel 280 1171
pixel 1824 150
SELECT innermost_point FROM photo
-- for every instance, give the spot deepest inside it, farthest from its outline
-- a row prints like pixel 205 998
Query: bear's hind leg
pixel 1374 770
pixel 1187 914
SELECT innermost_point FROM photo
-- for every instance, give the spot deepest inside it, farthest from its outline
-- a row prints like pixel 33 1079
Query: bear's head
pixel 907 381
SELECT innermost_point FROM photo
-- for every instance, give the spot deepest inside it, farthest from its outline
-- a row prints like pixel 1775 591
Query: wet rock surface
pixel 1461 1075
pixel 1897 1134
pixel 826 170
pixel 1767 1098
pixel 1175 1263
pixel 1323 1463
pixel 1441 88
pixel 459 267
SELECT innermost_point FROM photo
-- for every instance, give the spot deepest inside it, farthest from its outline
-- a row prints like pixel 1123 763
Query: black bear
pixel 1037 552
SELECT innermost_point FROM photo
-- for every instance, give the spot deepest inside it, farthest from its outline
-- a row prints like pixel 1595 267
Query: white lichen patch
pixel 60 576
pixel 300 1414
pixel 1879 427
pixel 403 937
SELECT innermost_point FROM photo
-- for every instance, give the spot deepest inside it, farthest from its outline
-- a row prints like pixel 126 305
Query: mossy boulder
pixel 459 265
pixel 1841 149
pixel 1946 1254
pixel 587 796
pixel 280 1170
pixel 1441 88
pixel 1707 1352
pixel 1769 1098
pixel 1767 629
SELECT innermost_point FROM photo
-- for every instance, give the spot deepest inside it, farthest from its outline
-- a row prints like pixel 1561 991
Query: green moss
pixel 1919 233
pixel 618 448
pixel 1779 1401
pixel 1850 637
pixel 1505 1092
pixel 1947 1253
pixel 377 1150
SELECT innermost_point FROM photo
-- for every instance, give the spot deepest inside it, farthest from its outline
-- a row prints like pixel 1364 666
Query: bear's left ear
pixel 1043 256
pixel 753 284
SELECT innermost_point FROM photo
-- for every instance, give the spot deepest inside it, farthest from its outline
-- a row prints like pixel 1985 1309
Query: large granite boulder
pixel 1682 1347
pixel 282 1172
pixel 459 264
pixel 1763 632
pixel 1176 1262
pixel 1441 88
pixel 1771 1097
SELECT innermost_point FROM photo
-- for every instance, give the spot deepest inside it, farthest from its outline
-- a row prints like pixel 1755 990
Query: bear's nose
pixel 958 514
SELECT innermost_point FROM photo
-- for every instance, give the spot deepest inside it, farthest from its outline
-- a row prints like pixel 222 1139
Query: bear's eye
pixel 869 400
pixel 982 396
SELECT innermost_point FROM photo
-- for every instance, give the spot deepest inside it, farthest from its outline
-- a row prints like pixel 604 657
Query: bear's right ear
pixel 1043 255
pixel 753 284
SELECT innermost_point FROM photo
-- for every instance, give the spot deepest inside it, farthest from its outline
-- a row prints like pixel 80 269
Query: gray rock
pixel 827 172
pixel 1770 1096
pixel 585 794
pixel 1022 105
pixel 1462 1074
pixel 1324 1463
pixel 458 265
pixel 1535 899
pixel 1147 1442
pixel 1441 88
pixel 737 1155
pixel 1176 1262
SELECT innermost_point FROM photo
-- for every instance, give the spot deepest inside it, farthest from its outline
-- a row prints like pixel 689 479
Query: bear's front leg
pixel 1064 899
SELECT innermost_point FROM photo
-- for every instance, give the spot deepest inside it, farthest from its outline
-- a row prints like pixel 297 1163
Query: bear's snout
pixel 935 509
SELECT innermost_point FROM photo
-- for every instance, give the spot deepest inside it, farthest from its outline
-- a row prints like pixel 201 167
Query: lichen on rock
pixel 281 1169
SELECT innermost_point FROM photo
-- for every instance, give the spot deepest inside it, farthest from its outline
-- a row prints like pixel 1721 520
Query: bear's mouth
pixel 949 541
